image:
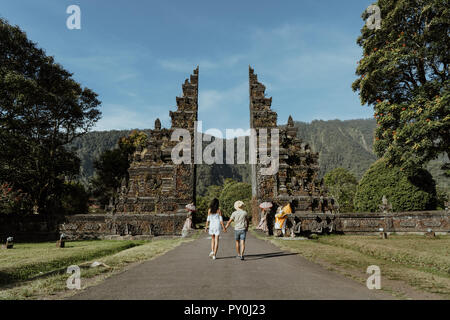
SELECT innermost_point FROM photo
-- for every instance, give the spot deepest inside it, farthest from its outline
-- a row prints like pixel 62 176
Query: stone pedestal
pixel 8 245
pixel 430 234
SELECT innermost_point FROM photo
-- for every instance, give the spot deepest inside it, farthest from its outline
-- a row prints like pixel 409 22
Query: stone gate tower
pixel 297 177
pixel 156 185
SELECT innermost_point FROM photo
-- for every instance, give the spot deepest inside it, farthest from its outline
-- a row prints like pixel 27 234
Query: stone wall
pixel 419 221
pixel 360 223
pixel 119 226
pixel 31 228
pixel 37 228
pixel 84 227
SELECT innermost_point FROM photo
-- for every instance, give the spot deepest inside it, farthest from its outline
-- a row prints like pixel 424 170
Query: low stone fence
pixel 419 221
pixel 102 226
pixel 122 226
pixel 35 228
pixel 359 223
pixel 30 228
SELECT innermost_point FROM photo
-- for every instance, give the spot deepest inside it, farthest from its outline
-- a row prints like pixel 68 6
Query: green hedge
pixel 341 185
pixel 412 191
pixel 232 192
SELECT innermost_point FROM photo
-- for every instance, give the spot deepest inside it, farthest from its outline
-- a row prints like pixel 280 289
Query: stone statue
pixel 385 206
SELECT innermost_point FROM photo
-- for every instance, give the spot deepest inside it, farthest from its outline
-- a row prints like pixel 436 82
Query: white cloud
pixel 184 65
pixel 303 56
pixel 222 99
pixel 126 76
pixel 178 65
pixel 121 117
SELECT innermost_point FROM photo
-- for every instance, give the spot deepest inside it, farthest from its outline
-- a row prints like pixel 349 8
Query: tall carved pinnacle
pixel 187 105
pixel 157 124
pixel 261 114
pixel 290 122
pixel 190 86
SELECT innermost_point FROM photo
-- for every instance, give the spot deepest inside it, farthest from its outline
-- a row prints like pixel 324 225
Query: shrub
pixel 442 198
pixel 233 191
pixel 14 201
pixel 203 202
pixel 406 191
pixel 341 185
pixel 75 199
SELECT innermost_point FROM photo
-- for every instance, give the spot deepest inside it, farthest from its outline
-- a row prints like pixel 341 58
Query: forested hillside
pixel 346 144
pixel 91 145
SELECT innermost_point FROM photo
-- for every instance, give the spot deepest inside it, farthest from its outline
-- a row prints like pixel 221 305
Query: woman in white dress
pixel 213 223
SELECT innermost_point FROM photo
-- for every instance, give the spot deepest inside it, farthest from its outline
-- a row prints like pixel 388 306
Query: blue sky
pixel 136 54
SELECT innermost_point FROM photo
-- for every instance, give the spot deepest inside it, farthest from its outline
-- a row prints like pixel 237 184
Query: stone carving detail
pixel 408 224
pixel 155 184
pixel 431 223
pixel 352 223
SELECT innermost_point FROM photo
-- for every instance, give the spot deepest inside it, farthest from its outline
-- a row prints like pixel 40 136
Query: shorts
pixel 240 234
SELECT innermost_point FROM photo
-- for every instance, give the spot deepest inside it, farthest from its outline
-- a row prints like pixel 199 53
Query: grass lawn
pixel 410 264
pixel 27 260
pixel 19 265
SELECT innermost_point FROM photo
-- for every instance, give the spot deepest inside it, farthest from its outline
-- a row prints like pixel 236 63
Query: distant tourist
pixel 240 227
pixel 265 208
pixel 213 223
pixel 188 225
pixel 281 217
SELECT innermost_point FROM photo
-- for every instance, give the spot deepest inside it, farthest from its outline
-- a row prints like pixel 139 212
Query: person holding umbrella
pixel 265 207
pixel 188 225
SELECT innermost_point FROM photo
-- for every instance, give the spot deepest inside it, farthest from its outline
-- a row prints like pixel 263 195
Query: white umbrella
pixel 190 207
pixel 266 205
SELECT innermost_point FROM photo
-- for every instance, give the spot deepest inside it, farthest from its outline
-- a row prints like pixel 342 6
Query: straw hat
pixel 238 204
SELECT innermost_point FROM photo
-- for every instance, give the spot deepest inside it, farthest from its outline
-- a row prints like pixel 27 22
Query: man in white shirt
pixel 240 219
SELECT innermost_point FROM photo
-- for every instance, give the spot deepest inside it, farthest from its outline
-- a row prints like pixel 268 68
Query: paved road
pixel 267 273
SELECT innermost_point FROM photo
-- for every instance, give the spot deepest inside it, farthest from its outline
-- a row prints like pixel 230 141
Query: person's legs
pixel 212 243
pixel 242 237
pixel 237 237
pixel 242 247
pixel 216 245
pixel 237 248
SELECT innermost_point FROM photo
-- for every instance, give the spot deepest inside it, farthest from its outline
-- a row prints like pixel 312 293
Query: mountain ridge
pixel 340 143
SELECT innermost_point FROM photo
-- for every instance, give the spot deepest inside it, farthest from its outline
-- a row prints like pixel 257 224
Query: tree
pixel 341 185
pixel 74 199
pixel 13 201
pixel 231 192
pixel 112 166
pixel 404 74
pixel 406 191
pixel 42 109
pixel 202 202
